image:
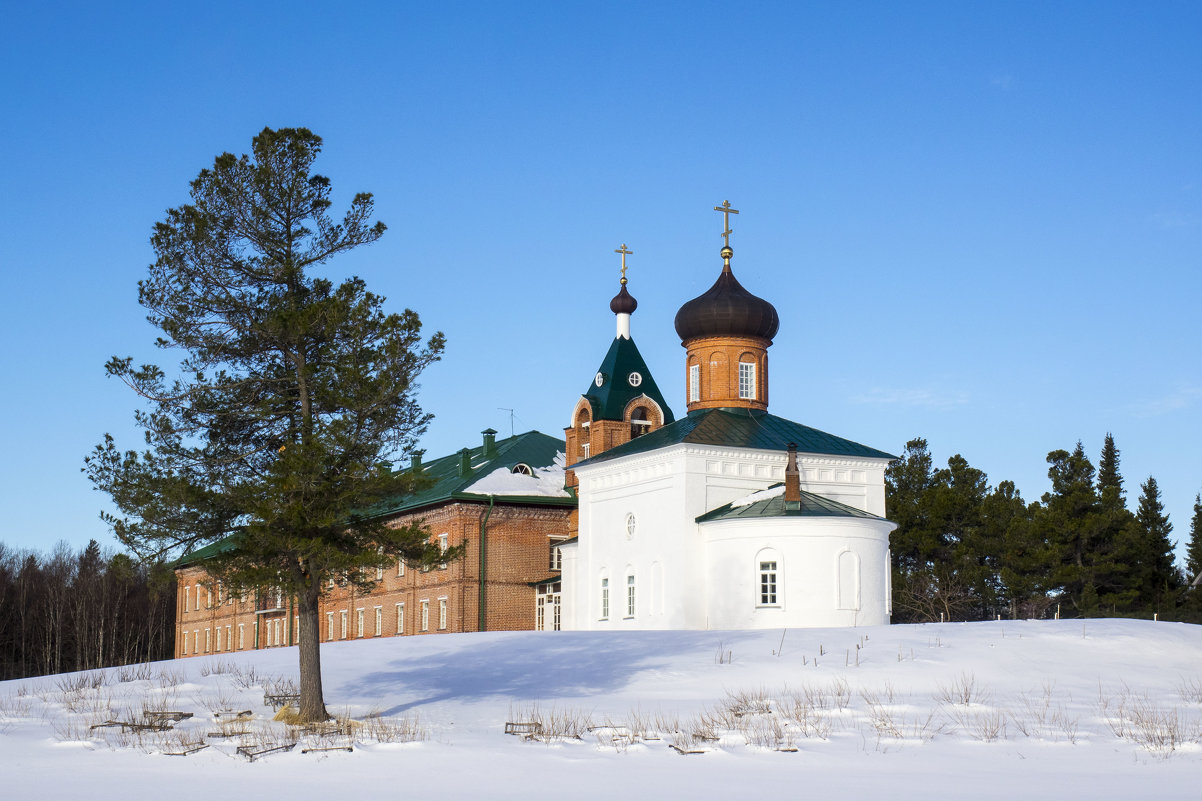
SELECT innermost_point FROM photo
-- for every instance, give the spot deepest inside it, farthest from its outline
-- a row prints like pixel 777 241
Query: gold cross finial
pixel 726 212
pixel 624 253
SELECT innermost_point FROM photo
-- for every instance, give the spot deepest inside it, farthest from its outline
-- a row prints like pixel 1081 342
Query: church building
pixel 726 518
pixel 729 517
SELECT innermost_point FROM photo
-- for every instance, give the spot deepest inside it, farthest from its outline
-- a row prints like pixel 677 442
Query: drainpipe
pixel 481 623
pixel 258 617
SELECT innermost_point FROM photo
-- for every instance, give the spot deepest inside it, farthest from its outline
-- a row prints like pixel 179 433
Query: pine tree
pixel 1156 576
pixel 1071 522
pixel 1193 554
pixel 1110 481
pixel 291 396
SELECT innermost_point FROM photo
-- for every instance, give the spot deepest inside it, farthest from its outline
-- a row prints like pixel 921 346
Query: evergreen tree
pixel 1157 579
pixel 291 397
pixel 1071 522
pixel 1193 554
pixel 1110 481
pixel 907 480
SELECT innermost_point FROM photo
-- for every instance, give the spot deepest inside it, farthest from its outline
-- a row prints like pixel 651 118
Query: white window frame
pixel 241 636
pixel 768 586
pixel 184 645
pixel 630 596
pixel 218 643
pixel 359 621
pixel 584 450
pixel 379 621
pixel 208 639
pixel 443 544
pixel 329 626
pixel 400 618
pixel 345 619
pixel 555 560
pixel 425 620
pixel 747 381
pixel 605 598
pixel 400 567
pixel 694 383
pixel 442 614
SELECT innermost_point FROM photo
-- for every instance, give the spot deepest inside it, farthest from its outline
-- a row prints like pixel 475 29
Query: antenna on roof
pixel 502 408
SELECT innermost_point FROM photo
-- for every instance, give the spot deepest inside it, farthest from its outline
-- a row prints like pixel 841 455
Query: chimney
pixel 465 463
pixel 490 443
pixel 417 461
pixel 792 481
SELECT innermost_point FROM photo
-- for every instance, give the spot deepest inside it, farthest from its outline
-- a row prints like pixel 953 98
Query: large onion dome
pixel 623 302
pixel 727 310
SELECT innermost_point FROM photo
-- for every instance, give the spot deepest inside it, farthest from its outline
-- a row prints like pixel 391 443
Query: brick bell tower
pixel 622 401
pixel 726 333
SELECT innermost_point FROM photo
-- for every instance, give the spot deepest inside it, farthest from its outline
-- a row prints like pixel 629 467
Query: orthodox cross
pixel 624 253
pixel 726 212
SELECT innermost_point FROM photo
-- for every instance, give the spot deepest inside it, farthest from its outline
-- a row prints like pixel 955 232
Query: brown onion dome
pixel 727 309
pixel 623 302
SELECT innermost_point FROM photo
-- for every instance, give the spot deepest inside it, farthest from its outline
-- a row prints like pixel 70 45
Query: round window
pixel 632 523
pixel 635 379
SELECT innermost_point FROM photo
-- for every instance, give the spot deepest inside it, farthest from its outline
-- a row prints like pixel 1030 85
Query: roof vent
pixel 417 461
pixel 490 443
pixel 465 463
pixel 792 481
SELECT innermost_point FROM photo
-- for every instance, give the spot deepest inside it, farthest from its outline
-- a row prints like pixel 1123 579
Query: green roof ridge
pixel 740 428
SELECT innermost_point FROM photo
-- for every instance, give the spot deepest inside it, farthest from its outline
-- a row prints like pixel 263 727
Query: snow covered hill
pixel 1095 709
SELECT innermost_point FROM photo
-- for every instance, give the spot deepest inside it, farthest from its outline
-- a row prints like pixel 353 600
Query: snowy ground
pixel 1102 709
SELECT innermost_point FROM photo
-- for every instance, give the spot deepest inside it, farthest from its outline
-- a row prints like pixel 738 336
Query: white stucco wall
pixel 665 491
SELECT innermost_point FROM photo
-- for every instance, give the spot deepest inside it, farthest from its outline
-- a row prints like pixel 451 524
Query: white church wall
pixel 817 558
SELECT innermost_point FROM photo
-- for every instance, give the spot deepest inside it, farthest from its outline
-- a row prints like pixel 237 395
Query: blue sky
pixel 980 223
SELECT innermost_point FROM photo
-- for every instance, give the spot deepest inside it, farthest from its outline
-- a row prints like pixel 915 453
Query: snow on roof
pixel 760 495
pixel 546 481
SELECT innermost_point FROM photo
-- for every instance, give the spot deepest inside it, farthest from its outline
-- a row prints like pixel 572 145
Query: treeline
pixel 70 610
pixel 965 550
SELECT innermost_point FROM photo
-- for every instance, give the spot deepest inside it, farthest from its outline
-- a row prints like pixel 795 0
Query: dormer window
pixel 523 469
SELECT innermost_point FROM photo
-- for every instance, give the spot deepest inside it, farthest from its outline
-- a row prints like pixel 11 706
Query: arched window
pixel 523 469
pixel 769 589
pixel 639 422
pixel 604 597
pixel 630 597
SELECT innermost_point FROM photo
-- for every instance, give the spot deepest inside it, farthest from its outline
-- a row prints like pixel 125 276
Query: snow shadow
pixel 529 666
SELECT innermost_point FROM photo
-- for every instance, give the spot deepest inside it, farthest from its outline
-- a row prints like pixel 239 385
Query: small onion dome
pixel 727 309
pixel 623 302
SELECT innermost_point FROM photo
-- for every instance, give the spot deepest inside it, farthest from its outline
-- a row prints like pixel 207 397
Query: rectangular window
pixel 198 588
pixel 220 597
pixel 767 583
pixel 442 548
pixel 630 596
pixel 329 625
pixel 208 634
pixel 747 380
pixel 556 557
pixel 184 646
pixel 196 641
pixel 379 620
pixel 241 636
pixel 187 595
pixel 442 613
pixel 400 567
pixel 400 618
pixel 209 598
pixel 584 450
pixel 218 638
pixel 359 623
pixel 342 634
pixel 425 615
pixel 694 383
pixel 605 599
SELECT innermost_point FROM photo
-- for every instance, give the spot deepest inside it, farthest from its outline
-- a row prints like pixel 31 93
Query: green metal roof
pixel 532 448
pixel 740 428
pixel 212 549
pixel 609 400
pixel 811 506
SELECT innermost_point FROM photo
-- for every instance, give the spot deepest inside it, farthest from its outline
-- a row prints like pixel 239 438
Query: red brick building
pixel 504 499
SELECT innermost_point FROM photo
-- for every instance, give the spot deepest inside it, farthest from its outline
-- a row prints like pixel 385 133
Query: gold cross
pixel 624 253
pixel 726 212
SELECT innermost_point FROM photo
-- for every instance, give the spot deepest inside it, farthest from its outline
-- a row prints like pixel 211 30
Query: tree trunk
pixel 312 700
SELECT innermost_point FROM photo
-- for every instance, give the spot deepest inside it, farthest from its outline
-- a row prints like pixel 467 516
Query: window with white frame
pixel 198 589
pixel 425 616
pixel 208 598
pixel 630 595
pixel 605 598
pixel 196 641
pixel 184 644
pixel 768 583
pixel 241 636
pixel 584 450
pixel 747 380
pixel 208 634
pixel 694 383
pixel 220 597
pixel 218 638
pixel 442 613
pixel 400 618
pixel 555 562
pixel 442 548
pixel 400 567
pixel 379 620
pixel 329 625
pixel 229 637
pixel 342 634
pixel 187 596
pixel 359 622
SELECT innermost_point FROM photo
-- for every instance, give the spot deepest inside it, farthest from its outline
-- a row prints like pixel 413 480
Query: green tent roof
pixel 811 506
pixel 609 400
pixel 740 428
